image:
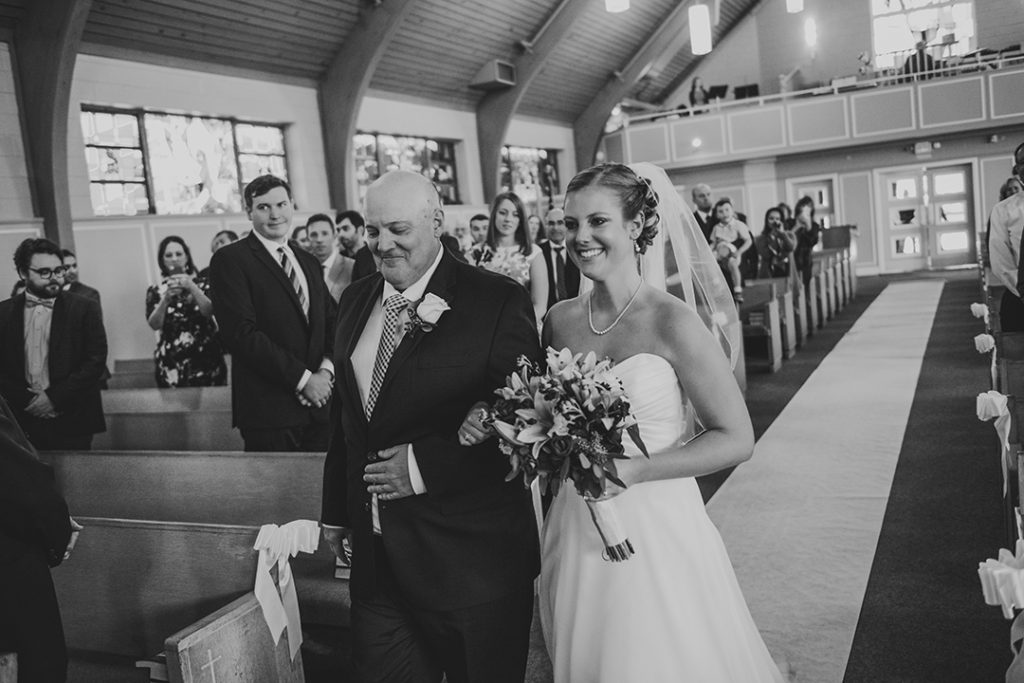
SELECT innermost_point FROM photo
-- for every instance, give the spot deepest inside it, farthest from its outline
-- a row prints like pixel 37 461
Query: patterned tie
pixel 560 291
pixel 393 307
pixel 293 277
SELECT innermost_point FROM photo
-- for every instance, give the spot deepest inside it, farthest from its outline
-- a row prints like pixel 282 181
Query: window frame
pixel 360 188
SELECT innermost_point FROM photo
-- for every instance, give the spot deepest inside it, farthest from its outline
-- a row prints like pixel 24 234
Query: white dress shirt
pixel 38 320
pixel 364 355
pixel 1007 226
pixel 328 264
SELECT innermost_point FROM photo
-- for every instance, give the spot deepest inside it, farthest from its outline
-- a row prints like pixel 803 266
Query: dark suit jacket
pixel 84 290
pixel 705 225
pixel 271 342
pixel 77 362
pixel 365 264
pixel 472 537
pixel 572 275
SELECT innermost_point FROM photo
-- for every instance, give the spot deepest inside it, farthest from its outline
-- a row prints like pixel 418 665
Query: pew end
pixel 8 667
pixel 762 327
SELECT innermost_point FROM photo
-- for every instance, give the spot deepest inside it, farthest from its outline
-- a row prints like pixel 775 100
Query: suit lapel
pixel 264 257
pixel 442 284
pixel 57 336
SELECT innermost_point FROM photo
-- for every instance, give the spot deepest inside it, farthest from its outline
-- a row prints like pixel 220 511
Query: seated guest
pixel 774 246
pixel 71 281
pixel 920 64
pixel 53 352
pixel 730 238
pixel 300 236
pixel 36 533
pixel 509 251
pixel 808 232
pixel 337 267
pixel 352 238
pixel 188 351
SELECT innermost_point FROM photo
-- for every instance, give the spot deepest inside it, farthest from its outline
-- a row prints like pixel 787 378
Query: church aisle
pixel 802 518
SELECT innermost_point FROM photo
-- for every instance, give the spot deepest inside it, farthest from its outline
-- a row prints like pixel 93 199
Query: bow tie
pixel 558 247
pixel 32 302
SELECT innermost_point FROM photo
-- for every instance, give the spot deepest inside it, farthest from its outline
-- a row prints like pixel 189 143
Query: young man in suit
pixel 352 238
pixel 444 550
pixel 276 318
pixel 337 268
pixel 71 282
pixel 563 275
pixel 53 354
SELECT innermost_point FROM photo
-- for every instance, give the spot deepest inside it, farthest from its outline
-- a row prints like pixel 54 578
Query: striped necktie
pixel 393 308
pixel 293 278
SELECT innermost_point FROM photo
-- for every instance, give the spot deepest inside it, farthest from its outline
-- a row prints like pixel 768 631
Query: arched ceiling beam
pixel 46 44
pixel 495 111
pixel 343 87
pixel 672 34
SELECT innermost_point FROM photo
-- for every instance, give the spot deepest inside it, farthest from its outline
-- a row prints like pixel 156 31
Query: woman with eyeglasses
pixel 188 352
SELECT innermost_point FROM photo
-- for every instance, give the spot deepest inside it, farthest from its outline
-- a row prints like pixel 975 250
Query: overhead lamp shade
pixel 811 32
pixel 700 29
pixel 616 5
pixel 794 6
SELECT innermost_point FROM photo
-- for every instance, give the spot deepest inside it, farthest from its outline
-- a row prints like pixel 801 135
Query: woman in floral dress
pixel 509 251
pixel 188 352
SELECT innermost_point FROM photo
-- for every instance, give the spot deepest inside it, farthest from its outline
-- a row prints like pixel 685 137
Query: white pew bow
pixel 1002 583
pixel 277 544
pixel 984 342
pixel 992 404
pixel 980 311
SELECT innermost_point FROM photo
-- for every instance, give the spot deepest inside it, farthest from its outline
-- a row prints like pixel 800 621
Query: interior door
pixel 903 220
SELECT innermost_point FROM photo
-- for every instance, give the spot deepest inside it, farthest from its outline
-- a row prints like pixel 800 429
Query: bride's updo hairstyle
pixel 636 196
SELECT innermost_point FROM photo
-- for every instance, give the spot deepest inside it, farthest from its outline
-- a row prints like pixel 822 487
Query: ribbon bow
pixel 1002 584
pixel 32 302
pixel 276 545
pixel 992 404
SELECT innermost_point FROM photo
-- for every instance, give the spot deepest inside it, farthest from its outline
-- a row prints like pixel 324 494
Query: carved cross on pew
pixel 210 660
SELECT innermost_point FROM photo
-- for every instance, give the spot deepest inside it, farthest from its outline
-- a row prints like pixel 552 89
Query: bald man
pixel 444 550
pixel 701 194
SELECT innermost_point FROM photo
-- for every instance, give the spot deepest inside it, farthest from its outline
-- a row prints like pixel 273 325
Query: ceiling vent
pixel 495 74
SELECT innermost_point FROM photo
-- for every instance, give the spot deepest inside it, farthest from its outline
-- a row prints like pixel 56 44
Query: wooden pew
pixel 800 309
pixel 762 331
pixel 235 641
pixel 190 418
pixel 8 667
pixel 168 539
pixel 133 373
pixel 784 294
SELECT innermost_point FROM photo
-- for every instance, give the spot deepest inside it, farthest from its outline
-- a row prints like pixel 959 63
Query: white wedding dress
pixel 673 612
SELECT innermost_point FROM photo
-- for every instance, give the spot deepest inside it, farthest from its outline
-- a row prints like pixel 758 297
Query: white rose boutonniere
pixel 425 314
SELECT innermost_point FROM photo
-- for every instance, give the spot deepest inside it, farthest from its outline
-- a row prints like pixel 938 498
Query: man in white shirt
pixel 1007 226
pixel 337 267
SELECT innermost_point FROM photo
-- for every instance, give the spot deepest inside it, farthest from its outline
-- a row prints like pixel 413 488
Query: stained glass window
pixel 531 173
pixel 376 154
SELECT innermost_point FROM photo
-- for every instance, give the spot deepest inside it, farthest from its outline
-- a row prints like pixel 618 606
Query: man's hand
pixel 40 406
pixel 318 389
pixel 474 430
pixel 340 540
pixel 388 476
pixel 75 528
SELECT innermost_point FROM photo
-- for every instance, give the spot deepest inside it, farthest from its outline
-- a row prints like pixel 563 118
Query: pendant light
pixel 794 6
pixel 615 6
pixel 700 29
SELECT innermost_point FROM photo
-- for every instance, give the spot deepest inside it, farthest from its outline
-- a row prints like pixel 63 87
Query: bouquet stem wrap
pixel 617 547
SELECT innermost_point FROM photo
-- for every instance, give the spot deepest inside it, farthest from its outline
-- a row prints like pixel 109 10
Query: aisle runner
pixel 801 519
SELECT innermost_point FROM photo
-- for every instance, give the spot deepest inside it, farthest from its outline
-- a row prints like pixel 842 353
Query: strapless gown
pixel 673 612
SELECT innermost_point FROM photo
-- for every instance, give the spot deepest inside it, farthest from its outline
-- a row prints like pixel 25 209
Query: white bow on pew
pixel 992 404
pixel 980 311
pixel 280 604
pixel 1002 583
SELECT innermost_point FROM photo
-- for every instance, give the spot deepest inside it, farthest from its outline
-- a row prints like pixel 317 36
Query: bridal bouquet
pixel 565 422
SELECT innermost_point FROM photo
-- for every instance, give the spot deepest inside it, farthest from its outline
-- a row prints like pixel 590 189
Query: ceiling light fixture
pixel 615 6
pixel 700 29
pixel 794 6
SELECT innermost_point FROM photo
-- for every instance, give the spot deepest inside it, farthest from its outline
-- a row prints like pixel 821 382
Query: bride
pixel 674 611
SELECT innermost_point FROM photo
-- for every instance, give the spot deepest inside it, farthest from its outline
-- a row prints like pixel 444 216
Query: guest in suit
pixel 221 239
pixel 276 318
pixel 1006 226
pixel 71 282
pixel 336 267
pixel 704 213
pixel 36 533
pixel 444 549
pixel 478 225
pixel 352 237
pixel 53 352
pixel 563 275
pixel 451 243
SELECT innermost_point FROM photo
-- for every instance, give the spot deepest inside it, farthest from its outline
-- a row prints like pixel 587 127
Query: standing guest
pixel 808 232
pixel 1009 188
pixel 53 352
pixel 563 274
pixel 787 215
pixel 445 548
pixel 508 250
pixel 461 233
pixel 704 213
pixel 534 230
pixel 18 288
pixel 730 238
pixel 352 236
pixel 1007 224
pixel 71 282
pixel 698 93
pixel 300 236
pixel 277 319
pixel 221 239
pixel 478 229
pixel 337 268
pixel 188 350
pixel 36 533
pixel 451 243
pixel 774 246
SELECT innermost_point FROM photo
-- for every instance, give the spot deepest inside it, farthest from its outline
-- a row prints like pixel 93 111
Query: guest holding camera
pixel 188 352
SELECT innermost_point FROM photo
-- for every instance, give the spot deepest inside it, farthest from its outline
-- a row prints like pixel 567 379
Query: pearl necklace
pixel 590 312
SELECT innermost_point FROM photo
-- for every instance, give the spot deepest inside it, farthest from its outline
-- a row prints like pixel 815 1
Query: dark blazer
pixel 572 275
pixel 263 327
pixel 365 263
pixel 472 537
pixel 705 225
pixel 84 290
pixel 77 362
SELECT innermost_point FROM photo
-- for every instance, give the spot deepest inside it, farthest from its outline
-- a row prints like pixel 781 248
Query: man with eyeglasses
pixel 53 353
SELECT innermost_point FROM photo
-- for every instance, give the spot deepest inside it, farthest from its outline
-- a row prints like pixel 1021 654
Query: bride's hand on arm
pixel 473 430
